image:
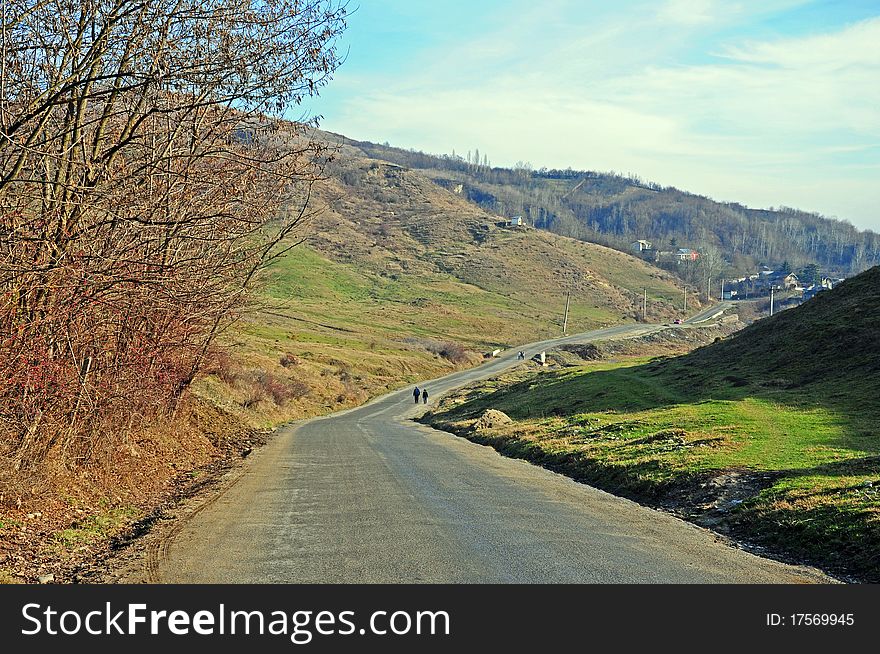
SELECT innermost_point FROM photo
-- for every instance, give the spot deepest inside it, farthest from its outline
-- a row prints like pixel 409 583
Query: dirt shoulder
pixel 71 526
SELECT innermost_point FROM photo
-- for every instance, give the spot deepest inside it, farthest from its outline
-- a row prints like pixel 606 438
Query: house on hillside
pixel 787 282
pixel 640 246
pixel 764 279
pixel 678 256
pixel 516 221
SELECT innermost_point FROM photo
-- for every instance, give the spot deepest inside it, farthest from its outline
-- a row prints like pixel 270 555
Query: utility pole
pixel 708 289
pixel 771 300
pixel 685 299
pixel 722 290
pixel 645 307
pixel 565 318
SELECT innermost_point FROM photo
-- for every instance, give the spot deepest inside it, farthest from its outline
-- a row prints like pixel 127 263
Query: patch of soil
pixel 708 499
pixel 136 484
pixel 586 351
pixel 491 418
pixel 670 341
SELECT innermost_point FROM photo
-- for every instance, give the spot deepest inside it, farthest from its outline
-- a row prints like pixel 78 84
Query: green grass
pixel 644 430
pixel 354 300
pixel 93 528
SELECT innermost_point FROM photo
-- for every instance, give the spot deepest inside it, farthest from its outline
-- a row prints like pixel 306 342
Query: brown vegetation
pixel 141 187
pixel 146 180
pixel 614 210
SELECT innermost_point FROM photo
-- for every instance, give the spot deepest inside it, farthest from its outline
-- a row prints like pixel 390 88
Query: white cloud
pixel 766 123
pixel 687 12
pixel 857 45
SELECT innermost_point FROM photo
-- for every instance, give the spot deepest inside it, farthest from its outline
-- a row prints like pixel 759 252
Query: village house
pixel 678 256
pixel 788 282
pixel 640 246
pixel 516 221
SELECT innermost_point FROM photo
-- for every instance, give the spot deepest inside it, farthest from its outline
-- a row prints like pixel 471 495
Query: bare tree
pixel 146 177
pixel 710 265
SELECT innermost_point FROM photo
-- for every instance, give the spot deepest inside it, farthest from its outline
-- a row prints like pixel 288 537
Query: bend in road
pixel 368 496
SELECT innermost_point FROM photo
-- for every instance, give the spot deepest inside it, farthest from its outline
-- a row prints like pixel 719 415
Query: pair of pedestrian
pixel 423 392
pixel 521 356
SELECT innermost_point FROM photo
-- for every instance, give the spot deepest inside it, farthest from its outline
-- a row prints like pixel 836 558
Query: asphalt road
pixel 367 496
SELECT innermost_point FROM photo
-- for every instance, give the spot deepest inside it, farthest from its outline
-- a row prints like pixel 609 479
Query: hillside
pixel 829 346
pixel 616 210
pixel 397 280
pixel 395 266
pixel 768 435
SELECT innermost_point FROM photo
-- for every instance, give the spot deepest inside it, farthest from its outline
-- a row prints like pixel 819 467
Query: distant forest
pixel 615 210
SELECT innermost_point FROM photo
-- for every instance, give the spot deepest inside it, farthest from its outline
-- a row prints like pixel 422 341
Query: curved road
pixel 368 496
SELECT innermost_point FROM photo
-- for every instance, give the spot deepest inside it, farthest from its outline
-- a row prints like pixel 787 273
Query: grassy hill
pixel 400 279
pixel 769 435
pixel 821 348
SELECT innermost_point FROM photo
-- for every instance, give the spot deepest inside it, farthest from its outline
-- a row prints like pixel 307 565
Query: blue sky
pixel 768 103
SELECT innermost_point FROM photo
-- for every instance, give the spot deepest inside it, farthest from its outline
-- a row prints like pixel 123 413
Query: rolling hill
pixel 616 210
pixel 400 279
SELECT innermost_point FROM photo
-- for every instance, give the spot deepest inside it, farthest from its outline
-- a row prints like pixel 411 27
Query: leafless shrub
pixel 345 375
pixel 281 390
pixel 254 394
pixel 453 352
pixel 143 183
pixel 289 360
pixel 220 364
pixel 449 350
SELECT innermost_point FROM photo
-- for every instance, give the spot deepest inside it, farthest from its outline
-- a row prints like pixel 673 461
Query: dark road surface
pixel 368 496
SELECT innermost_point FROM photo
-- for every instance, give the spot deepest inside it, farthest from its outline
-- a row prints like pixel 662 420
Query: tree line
pixel 614 209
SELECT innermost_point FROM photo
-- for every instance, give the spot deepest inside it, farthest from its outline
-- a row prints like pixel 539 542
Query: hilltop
pixel 768 435
pixel 615 210
pixel 829 346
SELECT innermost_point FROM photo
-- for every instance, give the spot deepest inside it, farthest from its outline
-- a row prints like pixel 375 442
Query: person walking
pixel 424 396
pixel 416 393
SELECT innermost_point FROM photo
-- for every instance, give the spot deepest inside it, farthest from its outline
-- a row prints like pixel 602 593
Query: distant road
pixel 708 314
pixel 366 495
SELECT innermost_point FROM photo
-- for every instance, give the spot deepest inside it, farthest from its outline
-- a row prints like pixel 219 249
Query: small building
pixel 640 246
pixel 516 221
pixel 678 256
pixel 788 282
